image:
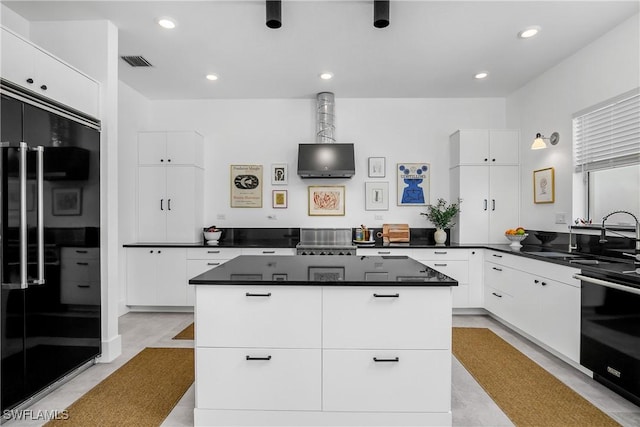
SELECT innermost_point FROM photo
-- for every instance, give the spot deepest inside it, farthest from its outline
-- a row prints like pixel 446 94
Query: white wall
pixel 268 131
pixel 133 114
pixel 605 68
pixel 10 19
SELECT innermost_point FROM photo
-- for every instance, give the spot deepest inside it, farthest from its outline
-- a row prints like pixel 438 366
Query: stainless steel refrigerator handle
pixel 606 283
pixel 40 196
pixel 22 176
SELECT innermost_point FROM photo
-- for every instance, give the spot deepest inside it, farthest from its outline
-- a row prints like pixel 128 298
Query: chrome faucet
pixel 636 255
pixel 572 247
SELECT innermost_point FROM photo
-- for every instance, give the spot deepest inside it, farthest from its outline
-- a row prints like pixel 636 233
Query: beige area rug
pixel 187 333
pixel 141 393
pixel 526 393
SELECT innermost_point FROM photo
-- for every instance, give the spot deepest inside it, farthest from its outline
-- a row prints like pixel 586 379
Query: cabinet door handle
pixel 384 253
pixel 493 204
pixel 169 204
pixel 386 295
pixel 249 294
pixel 440 265
pixel 43 87
pixel 84 286
pixel 81 252
pixel 493 160
pixel 379 359
pixel 258 358
pixel 169 160
pixel 485 204
pixel 82 263
pixel 213 252
pixel 544 283
pixel 440 252
pixel 161 202
pixel 213 263
pixel 486 159
pixel 497 269
pixel 268 252
pixel 499 296
pixel 30 80
pixel 497 256
pixel 161 160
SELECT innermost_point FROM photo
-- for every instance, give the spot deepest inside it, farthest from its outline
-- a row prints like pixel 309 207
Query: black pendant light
pixel 380 13
pixel 274 13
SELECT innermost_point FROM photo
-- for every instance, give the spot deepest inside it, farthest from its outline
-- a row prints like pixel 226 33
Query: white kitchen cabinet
pixel 200 260
pixel 170 149
pixel 170 205
pixel 268 251
pixel 34 69
pixel 484 147
pixel 485 174
pixel 80 275
pixel 396 251
pixel 156 276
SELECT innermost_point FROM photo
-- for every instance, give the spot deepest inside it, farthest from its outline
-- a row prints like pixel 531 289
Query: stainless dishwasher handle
pixel 607 284
pixel 40 201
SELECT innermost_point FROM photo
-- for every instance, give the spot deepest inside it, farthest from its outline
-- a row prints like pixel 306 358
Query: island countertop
pixel 324 270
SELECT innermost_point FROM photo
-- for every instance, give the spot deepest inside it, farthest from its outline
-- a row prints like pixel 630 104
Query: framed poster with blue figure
pixel 413 184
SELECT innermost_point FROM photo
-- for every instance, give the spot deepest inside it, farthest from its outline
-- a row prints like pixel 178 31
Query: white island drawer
pixel 386 317
pixel 400 380
pixel 258 316
pixel 213 253
pixel 258 378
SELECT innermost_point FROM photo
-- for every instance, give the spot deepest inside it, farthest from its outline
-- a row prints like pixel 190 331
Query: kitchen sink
pixel 562 255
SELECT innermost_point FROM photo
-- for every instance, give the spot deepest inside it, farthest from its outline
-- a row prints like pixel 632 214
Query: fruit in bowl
pixel 212 235
pixel 515 236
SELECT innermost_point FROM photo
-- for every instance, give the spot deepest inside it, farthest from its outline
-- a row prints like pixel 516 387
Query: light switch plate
pixel 378 217
pixel 561 218
pixel 221 217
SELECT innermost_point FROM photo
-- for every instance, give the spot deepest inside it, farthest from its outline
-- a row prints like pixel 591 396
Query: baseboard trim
pixel 111 349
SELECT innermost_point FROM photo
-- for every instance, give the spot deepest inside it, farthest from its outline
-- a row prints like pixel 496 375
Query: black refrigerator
pixel 50 244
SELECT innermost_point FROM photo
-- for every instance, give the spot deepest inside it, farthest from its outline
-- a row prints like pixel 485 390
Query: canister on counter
pixel 359 234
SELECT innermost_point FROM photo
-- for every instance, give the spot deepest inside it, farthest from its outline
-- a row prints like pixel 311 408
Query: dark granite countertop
pixel 324 271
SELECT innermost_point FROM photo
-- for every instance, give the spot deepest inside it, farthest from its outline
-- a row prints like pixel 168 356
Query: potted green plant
pixel 441 215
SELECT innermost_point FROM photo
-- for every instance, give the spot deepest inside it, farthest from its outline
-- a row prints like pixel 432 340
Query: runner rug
pixel 526 393
pixel 141 393
pixel 186 334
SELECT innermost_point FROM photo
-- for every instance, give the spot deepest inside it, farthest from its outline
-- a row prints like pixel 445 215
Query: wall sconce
pixel 274 14
pixel 539 143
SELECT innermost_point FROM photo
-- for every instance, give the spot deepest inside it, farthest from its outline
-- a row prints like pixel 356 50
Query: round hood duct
pixel 325 118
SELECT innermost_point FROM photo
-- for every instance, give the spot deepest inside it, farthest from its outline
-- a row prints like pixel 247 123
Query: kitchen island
pixel 317 340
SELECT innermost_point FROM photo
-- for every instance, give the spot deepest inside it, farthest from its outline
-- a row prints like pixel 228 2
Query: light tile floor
pixel 471 406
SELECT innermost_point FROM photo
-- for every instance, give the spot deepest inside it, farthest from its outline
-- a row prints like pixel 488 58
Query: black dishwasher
pixel 610 331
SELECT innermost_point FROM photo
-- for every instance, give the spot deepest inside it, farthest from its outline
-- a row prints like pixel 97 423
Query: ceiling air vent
pixel 136 61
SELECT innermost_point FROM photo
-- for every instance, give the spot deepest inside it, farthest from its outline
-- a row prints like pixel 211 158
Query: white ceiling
pixel 430 49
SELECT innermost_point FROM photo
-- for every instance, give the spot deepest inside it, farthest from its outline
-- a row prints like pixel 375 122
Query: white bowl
pixel 515 239
pixel 212 235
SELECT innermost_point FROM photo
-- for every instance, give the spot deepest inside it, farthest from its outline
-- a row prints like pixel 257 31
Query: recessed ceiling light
pixel 482 75
pixel 528 32
pixel 167 23
pixel 326 76
pixel 212 77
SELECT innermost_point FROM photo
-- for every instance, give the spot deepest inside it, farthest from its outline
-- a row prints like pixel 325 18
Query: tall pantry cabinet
pixel 170 187
pixel 484 172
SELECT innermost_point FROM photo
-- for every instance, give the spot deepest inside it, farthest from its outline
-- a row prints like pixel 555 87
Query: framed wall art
pixel 246 186
pixel 279 199
pixel 376 196
pixel 327 200
pixel 377 167
pixel 66 201
pixel 543 186
pixel 279 174
pixel 413 184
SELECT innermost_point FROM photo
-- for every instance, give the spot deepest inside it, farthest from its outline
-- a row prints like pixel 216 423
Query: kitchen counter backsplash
pixel 586 243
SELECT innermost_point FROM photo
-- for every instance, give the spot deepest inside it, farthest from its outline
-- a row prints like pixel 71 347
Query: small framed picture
pixel 326 200
pixel 279 174
pixel 543 186
pixel 377 167
pixel 376 196
pixel 67 201
pixel 279 199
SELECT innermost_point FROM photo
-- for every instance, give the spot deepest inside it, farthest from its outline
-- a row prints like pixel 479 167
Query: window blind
pixel 608 136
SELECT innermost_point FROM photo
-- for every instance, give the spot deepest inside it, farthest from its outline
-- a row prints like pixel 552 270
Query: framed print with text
pixel 543 186
pixel 376 196
pixel 326 200
pixel 279 199
pixel 413 184
pixel 279 174
pixel 246 186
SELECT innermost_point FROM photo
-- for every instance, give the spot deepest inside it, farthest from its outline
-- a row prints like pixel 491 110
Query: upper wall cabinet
pixel 170 149
pixel 34 69
pixel 484 147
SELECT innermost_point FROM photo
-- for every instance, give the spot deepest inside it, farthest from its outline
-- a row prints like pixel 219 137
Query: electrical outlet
pixel 378 217
pixel 561 218
pixel 221 217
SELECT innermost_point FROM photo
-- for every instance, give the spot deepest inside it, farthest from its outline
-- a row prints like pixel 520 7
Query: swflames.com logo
pixel 33 415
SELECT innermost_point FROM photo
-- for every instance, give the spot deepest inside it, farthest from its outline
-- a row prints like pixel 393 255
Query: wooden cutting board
pixel 395 233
